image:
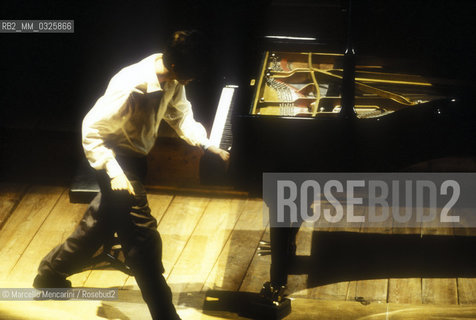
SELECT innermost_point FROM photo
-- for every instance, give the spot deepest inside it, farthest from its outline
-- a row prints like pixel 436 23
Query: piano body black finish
pixel 291 115
pixel 414 81
pixel 398 120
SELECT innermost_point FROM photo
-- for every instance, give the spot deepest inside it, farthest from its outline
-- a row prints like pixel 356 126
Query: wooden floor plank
pixel 302 309
pixel 51 310
pixel 177 225
pixel 370 289
pixel 467 225
pixel 438 290
pixel 334 291
pixel 240 248
pixel 24 223
pixel 305 309
pixel 159 203
pixel 205 245
pixel 405 290
pixel 10 196
pixel 343 225
pixel 210 243
pixel 466 286
pixel 466 290
pixel 56 228
pixel 383 227
pixel 435 227
pixel 258 271
pixel 408 227
pixel 108 278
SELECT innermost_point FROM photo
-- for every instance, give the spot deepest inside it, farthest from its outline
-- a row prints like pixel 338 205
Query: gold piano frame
pixel 290 84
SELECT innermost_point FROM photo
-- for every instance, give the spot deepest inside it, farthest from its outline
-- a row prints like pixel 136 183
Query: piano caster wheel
pixel 274 294
pixel 271 303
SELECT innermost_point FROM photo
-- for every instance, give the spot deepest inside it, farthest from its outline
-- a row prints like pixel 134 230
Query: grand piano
pixel 331 86
pixel 308 107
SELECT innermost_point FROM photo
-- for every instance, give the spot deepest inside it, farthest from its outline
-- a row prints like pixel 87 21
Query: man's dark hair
pixel 188 51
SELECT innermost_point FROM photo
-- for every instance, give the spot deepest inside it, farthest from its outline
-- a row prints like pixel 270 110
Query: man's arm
pixel 104 120
pixel 179 116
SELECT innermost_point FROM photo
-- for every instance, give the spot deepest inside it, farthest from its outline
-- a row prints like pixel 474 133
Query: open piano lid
pixel 398 53
pixel 438 34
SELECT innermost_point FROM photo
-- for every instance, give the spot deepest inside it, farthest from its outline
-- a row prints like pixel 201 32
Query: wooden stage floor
pixel 210 243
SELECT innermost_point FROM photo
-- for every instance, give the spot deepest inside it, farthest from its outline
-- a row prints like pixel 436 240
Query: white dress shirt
pixel 126 119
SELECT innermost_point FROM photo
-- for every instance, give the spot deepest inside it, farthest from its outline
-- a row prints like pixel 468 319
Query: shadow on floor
pixel 346 256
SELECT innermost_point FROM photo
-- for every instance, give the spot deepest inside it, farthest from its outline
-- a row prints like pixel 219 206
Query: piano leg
pixel 283 252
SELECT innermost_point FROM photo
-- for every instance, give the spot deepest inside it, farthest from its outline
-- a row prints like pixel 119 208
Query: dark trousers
pixel 129 216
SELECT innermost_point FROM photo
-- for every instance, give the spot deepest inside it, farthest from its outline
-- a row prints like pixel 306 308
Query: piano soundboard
pixel 308 84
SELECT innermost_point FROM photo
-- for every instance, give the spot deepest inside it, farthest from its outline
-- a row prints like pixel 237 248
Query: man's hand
pixel 122 183
pixel 224 155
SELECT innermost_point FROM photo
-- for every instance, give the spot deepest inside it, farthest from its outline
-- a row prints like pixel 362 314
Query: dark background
pixel 49 81
pixel 58 77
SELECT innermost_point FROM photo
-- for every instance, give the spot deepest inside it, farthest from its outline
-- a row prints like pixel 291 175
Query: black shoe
pixel 44 281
